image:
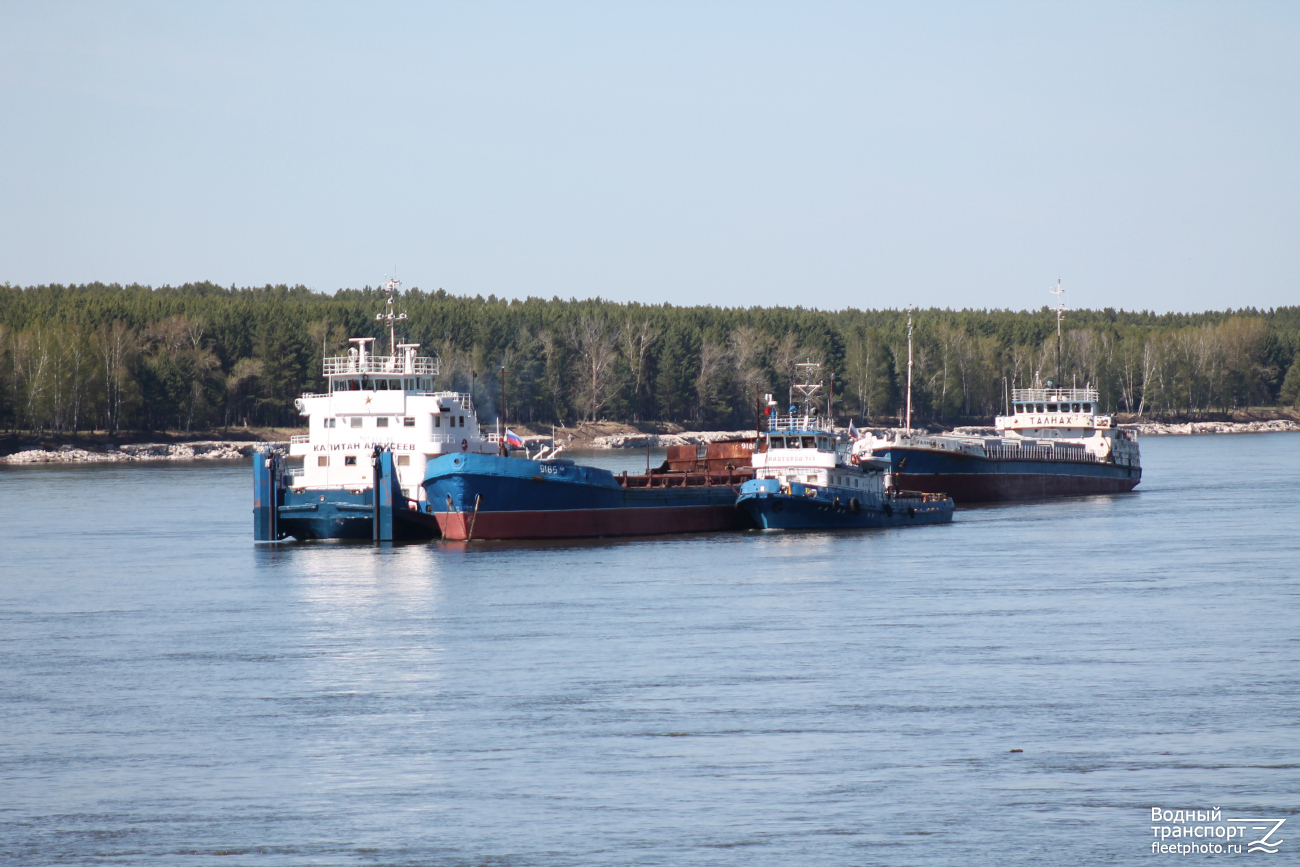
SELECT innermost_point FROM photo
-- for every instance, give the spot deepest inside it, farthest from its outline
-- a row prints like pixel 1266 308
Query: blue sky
pixel 829 155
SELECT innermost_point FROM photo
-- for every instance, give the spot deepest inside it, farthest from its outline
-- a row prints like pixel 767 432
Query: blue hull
pixel 347 515
pixel 491 497
pixel 830 509
pixel 380 513
pixel 970 479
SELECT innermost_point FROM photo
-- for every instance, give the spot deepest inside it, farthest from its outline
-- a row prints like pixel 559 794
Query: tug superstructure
pixel 380 418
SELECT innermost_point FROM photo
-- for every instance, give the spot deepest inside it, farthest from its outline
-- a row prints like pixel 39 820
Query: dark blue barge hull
pixel 970 479
pixel 491 497
pixel 819 508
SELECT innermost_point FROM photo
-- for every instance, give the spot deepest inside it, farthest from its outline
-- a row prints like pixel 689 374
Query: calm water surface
pixel 171 693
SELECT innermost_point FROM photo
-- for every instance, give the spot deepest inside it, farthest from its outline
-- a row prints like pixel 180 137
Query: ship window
pixel 350 461
pixel 437 421
pixel 381 385
pixel 810 442
pixel 1051 407
pixel 395 384
pixel 409 421
pixel 1040 408
pixel 462 421
pixel 322 460
pixel 354 385
pixel 1087 407
pixel 356 421
pixel 381 421
pixel 403 460
pixel 330 422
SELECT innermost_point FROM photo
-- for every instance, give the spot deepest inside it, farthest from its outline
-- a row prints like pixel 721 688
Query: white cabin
pixel 806 450
pixel 1068 416
pixel 381 400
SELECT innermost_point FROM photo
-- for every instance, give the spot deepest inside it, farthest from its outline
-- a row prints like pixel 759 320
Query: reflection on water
pixel 173 693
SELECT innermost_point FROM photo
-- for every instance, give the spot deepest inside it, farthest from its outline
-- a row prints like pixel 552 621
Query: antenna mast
pixel 390 317
pixel 909 369
pixel 1060 314
pixel 809 387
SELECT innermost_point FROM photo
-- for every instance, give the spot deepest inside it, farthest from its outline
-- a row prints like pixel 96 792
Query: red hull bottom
pixel 583 523
pixel 994 487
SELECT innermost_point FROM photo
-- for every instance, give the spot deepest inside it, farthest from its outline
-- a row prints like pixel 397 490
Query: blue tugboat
pixel 357 473
pixel 807 476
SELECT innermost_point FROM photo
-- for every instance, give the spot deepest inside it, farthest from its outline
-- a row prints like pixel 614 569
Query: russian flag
pixel 513 439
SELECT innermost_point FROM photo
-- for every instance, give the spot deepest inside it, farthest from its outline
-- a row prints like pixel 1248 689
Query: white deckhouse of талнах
pixel 1062 418
pixel 386 401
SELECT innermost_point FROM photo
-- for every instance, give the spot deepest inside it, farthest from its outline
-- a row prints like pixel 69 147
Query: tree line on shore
pixel 200 356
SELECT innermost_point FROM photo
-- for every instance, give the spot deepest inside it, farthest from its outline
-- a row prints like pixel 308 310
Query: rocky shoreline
pixel 215 450
pixel 196 451
pixel 1277 425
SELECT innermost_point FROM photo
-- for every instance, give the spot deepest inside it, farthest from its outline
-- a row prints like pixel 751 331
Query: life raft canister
pixel 464 445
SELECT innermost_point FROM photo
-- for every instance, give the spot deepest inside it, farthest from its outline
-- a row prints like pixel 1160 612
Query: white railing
pixel 455 438
pixel 783 423
pixel 394 365
pixel 299 438
pixel 294 472
pixel 1056 452
pixel 1055 395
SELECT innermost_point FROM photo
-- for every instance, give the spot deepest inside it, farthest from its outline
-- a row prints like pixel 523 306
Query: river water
pixel 171 693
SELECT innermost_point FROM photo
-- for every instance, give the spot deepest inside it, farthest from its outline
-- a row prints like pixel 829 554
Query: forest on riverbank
pixel 200 357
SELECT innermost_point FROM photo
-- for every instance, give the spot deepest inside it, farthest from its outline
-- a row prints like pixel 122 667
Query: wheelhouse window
pixel 350 461
pixel 810 442
pixel 1087 407
pixel 1051 407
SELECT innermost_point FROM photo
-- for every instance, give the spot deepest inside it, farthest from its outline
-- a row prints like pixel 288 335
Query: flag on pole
pixel 513 440
pixel 853 431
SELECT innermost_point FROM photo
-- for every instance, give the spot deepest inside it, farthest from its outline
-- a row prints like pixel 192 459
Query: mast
pixel 1060 314
pixel 807 389
pixel 391 317
pixel 909 369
